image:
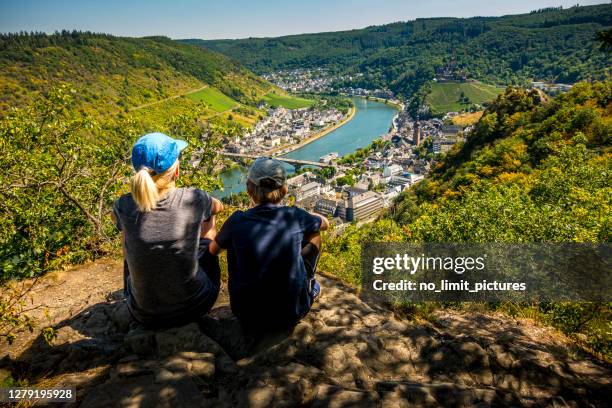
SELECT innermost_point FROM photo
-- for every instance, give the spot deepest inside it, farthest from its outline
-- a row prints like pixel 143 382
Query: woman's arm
pixel 216 207
pixel 208 229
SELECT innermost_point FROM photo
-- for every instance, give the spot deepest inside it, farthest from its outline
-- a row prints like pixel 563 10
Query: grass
pixel 467 119
pixel 445 96
pixel 215 100
pixel 287 101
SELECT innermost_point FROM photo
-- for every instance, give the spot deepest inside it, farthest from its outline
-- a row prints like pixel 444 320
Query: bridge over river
pixel 294 162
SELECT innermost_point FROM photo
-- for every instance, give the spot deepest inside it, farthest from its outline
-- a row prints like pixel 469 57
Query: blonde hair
pixel 264 194
pixel 147 187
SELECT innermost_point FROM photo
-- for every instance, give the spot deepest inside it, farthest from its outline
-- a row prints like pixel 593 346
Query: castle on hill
pixel 451 72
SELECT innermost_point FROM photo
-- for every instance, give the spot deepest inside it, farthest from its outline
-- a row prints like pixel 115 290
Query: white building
pixel 392 170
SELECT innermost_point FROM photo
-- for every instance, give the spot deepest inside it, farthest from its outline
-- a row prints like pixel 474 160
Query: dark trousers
pixel 310 255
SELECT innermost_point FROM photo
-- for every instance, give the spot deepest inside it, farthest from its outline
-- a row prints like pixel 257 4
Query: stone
pixel 132 369
pixel 163 375
pixel 121 316
pixel 144 392
pixel 140 341
pixel 262 396
pixel 225 329
pixel 97 320
pixel 177 364
pixel 337 397
pixel 204 366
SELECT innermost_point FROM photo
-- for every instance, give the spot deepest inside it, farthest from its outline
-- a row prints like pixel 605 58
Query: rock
pixel 261 396
pixel 204 366
pixel 177 364
pixel 162 376
pixel 225 329
pixel 184 338
pixel 140 341
pixel 121 316
pixel 437 394
pixel 336 397
pixel 133 368
pixel 472 353
pixel 97 320
pixel 504 358
pixel 199 364
pixel 144 392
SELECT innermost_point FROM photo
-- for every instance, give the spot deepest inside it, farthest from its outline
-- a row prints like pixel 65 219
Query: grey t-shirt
pixel 161 250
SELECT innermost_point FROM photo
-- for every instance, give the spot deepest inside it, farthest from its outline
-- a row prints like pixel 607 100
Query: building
pixel 307 203
pixel 328 158
pixel 297 181
pixel 442 146
pixel 362 206
pixel 401 182
pixel 414 178
pixel 353 191
pixel 392 170
pixel 450 130
pixel 307 190
pixel 416 134
pixel 327 207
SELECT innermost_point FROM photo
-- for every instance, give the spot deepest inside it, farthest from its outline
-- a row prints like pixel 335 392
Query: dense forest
pixel 115 74
pixel 550 44
pixel 532 170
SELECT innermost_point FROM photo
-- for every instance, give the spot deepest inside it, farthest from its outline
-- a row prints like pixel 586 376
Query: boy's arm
pixel 222 240
pixel 214 248
pixel 324 221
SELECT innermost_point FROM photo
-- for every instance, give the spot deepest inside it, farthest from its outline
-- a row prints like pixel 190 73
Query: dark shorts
pixel 257 323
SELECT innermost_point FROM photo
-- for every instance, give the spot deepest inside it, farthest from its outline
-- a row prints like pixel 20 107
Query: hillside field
pixel 287 101
pixel 445 96
pixel 216 100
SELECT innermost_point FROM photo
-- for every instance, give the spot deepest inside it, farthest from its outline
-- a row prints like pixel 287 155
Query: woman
pixel 170 277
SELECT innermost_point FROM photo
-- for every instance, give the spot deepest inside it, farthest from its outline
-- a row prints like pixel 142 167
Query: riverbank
pixel 369 120
pixel 399 106
pixel 314 137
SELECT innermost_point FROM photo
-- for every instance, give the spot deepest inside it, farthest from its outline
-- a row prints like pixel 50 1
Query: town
pixel 284 130
pixel 357 187
pixel 360 187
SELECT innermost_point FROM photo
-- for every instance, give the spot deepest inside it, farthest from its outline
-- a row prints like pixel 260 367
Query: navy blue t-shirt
pixel 268 283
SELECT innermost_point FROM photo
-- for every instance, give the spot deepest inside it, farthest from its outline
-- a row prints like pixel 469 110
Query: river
pixel 371 120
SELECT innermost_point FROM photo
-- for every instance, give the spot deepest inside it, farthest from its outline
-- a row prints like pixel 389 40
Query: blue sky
pixel 241 18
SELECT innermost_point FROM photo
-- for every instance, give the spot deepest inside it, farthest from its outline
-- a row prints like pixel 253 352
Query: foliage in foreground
pixel 62 170
pixel 531 171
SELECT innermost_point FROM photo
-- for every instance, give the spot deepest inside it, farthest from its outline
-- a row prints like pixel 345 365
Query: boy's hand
pixel 324 221
pixel 208 229
pixel 214 248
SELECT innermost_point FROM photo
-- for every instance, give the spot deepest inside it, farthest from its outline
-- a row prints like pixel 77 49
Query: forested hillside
pixel 550 44
pixel 531 171
pixel 115 74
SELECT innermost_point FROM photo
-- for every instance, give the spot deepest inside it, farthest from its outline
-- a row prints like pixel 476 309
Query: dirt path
pixel 346 352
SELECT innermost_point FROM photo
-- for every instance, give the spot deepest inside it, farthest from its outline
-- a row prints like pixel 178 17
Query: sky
pixel 213 19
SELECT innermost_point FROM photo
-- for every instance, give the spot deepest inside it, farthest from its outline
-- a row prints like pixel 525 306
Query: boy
pixel 272 253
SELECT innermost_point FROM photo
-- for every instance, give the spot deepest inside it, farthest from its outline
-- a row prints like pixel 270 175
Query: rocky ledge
pixel 346 352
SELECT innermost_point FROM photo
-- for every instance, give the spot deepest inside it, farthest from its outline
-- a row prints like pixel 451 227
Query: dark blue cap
pixel 156 151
